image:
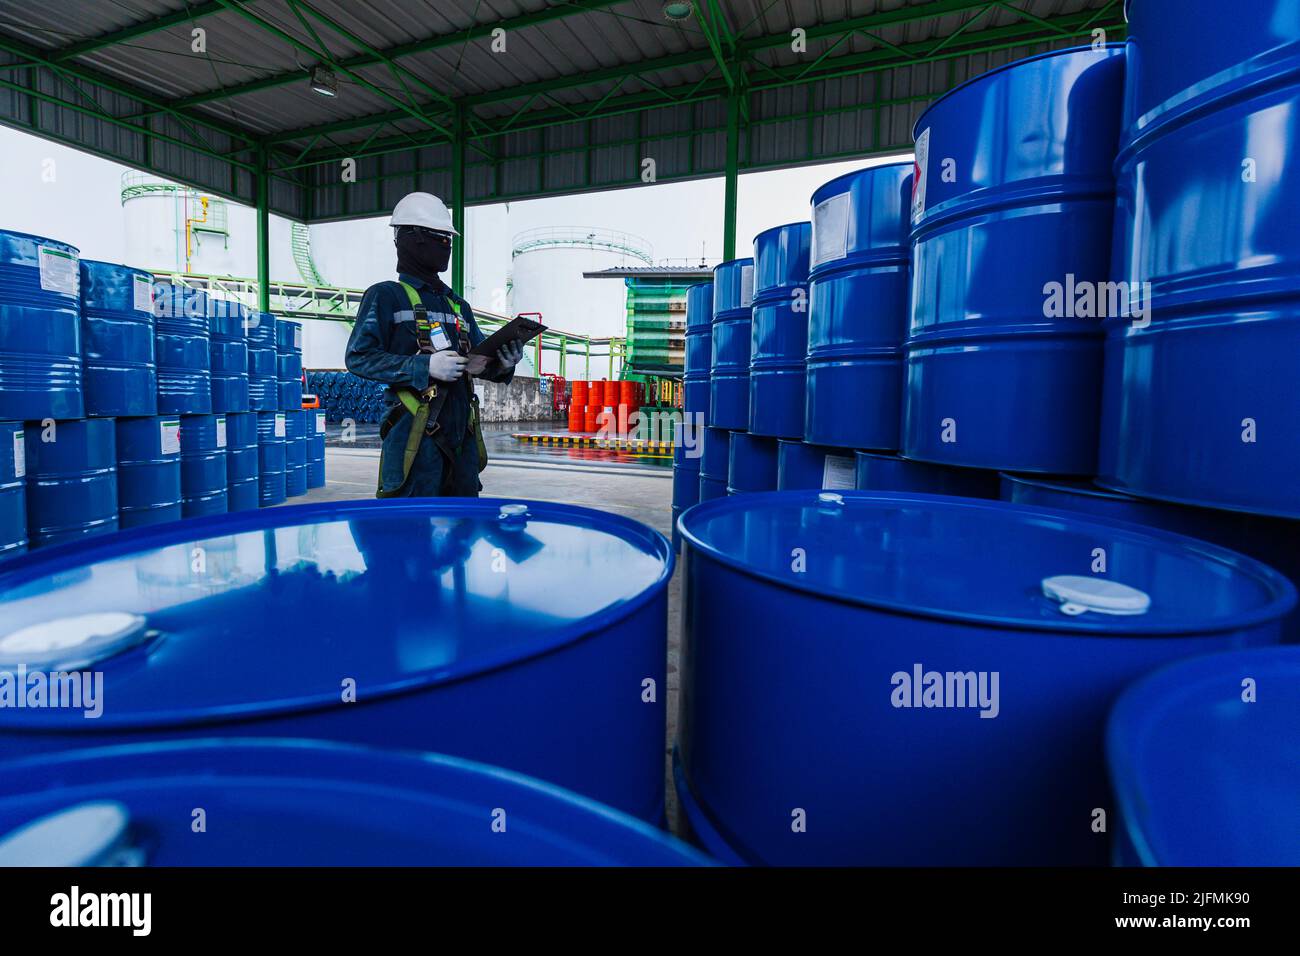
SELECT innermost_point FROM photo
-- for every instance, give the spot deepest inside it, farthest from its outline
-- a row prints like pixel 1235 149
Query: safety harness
pixel 425 407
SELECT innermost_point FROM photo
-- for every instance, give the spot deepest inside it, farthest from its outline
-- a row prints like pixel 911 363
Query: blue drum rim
pixel 1061 487
pixel 828 188
pixel 205 751
pixel 1283 601
pixel 701 823
pixel 1115 47
pixel 42 240
pixel 71 555
pixel 1136 705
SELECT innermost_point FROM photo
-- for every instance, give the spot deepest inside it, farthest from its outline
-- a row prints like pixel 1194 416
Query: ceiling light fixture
pixel 324 82
pixel 677 10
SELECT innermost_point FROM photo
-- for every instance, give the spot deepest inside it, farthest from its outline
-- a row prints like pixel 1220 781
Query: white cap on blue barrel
pixel 1078 594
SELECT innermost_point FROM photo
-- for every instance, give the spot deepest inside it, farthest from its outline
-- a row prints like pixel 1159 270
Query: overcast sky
pixel 60 193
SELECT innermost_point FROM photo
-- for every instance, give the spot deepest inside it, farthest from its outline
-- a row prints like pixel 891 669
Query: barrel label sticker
pixel 221 433
pixel 142 293
pixel 746 286
pixel 320 423
pixel 830 229
pixel 20 454
pixel 297 337
pixel 918 174
pixel 171 437
pixel 279 424
pixel 838 472
pixel 58 271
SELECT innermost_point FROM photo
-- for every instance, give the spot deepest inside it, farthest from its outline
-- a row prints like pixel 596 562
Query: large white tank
pixel 546 276
pixel 174 228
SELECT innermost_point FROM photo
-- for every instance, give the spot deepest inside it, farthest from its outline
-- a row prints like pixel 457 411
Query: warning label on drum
pixel 142 294
pixel 221 433
pixel 918 174
pixel 838 472
pixel 58 271
pixel 171 436
pixel 320 423
pixel 20 454
pixel 279 424
pixel 746 286
pixel 830 229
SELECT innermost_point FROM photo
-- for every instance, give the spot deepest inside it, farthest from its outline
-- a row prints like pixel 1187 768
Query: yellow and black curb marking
pixel 590 441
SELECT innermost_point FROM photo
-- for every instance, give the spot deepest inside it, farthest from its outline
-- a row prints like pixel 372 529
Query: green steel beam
pixel 478 31
pixel 459 245
pixel 263 232
pixel 731 174
pixel 135 30
pixel 715 44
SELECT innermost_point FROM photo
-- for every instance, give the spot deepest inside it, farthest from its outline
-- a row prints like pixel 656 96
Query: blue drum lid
pixel 395 595
pixel 295 802
pixel 990 563
pixel 1203 776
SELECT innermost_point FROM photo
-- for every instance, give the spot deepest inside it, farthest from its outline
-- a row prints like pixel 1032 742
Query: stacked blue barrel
pixel 346 397
pixel 295 452
pixel 241 461
pixel 272 433
pixel 688 435
pixel 229 357
pixel 288 347
pixel 1064 342
pixel 263 373
pixel 316 451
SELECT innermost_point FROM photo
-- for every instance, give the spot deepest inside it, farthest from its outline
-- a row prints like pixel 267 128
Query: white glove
pixel 447 365
pixel 510 354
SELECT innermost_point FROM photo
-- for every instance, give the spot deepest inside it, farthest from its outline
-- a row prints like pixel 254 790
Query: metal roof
pixel 489 100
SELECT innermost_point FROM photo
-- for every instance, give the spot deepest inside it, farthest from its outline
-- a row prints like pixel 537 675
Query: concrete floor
pixel 637 488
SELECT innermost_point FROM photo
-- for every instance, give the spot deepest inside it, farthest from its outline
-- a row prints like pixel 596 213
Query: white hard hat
pixel 423 209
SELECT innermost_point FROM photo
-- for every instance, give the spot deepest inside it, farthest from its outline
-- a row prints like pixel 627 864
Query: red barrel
pixel 577 417
pixel 578 392
pixel 624 410
pixel 589 418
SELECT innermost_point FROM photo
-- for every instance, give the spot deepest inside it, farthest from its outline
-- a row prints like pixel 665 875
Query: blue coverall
pixel 384 348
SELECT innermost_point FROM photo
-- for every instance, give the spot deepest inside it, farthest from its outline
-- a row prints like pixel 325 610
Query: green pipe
pixel 460 246
pixel 732 178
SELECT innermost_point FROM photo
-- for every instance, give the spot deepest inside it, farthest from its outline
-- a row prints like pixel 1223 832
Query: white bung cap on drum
pixel 1078 594
pixel 71 642
pixel 88 834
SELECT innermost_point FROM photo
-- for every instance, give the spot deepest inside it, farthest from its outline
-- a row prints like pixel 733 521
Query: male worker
pixel 415 335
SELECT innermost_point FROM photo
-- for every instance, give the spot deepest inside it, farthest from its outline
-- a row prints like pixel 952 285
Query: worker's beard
pixel 420 255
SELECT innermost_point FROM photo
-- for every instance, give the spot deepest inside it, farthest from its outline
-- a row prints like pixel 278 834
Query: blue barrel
pixel 316 451
pixel 241 462
pixel 263 374
pixel 228 351
pixel 802 466
pixel 859 293
pixel 1201 401
pixel 733 299
pixel 699 351
pixel 295 803
pixel 715 463
pixel 203 465
pixel 13 490
pixel 314 621
pixel 1270 540
pixel 117 340
pixel 71 480
pixel 779 333
pixel 687 448
pixel 148 470
pixel 295 452
pixel 1011 241
pixel 181 346
pixel 288 341
pixel 1209 739
pixel 40 329
pixel 876 472
pixel 927 610
pixel 751 464
pixel 263 383
pixel 272 457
